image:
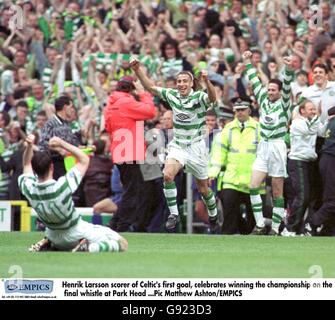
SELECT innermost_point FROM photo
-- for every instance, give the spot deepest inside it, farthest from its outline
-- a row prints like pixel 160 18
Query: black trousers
pixel 317 184
pixel 132 182
pixel 326 214
pixel 149 201
pixel 303 177
pixel 233 221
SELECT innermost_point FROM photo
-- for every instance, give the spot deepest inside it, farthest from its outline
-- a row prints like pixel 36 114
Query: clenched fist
pixel 204 75
pixel 134 64
pixel 246 55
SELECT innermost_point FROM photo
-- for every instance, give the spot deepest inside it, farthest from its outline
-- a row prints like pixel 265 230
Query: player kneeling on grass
pixel 52 201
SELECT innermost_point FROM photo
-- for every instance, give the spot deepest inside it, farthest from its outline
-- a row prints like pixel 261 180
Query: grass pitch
pixel 176 256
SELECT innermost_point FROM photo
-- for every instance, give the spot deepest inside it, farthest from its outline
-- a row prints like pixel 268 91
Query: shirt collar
pixel 240 123
pixel 191 92
pixel 60 119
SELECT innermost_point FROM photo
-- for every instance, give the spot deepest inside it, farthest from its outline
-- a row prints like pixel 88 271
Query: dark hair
pixel 277 82
pixel 173 43
pixel 41 113
pixel 22 103
pixel 196 83
pixel 321 47
pixel 41 162
pixel 125 86
pixel 20 50
pixel 257 52
pixel 20 92
pixel 6 117
pixel 99 146
pixel 302 72
pixel 61 102
pixel 182 24
pixel 321 66
pixel 297 40
pixel 37 137
pixel 211 113
pixel 217 84
pixel 190 75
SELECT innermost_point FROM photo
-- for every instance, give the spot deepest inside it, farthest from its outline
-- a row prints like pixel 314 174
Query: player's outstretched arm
pixel 83 160
pixel 146 82
pixel 288 78
pixel 210 88
pixel 257 87
pixel 28 154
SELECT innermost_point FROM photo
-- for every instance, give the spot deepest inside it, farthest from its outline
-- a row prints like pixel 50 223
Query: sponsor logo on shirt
pixel 268 120
pixel 182 117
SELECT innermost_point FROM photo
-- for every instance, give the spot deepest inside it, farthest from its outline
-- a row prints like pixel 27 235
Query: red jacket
pixel 124 121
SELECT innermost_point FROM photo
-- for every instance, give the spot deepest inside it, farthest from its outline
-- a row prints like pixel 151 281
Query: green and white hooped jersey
pixel 274 116
pixel 52 200
pixel 188 114
pixel 103 61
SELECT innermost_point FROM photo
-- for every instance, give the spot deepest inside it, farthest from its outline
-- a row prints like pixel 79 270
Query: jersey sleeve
pixel 162 93
pixel 257 87
pixel 204 100
pixel 286 91
pixel 26 182
pixel 73 178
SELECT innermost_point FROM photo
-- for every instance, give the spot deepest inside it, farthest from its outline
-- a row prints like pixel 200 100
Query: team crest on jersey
pixel 182 117
pixel 270 120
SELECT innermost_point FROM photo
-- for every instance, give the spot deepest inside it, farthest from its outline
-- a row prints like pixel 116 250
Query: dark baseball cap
pixel 126 83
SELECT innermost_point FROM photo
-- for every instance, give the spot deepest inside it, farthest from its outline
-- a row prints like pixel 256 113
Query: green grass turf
pixel 176 255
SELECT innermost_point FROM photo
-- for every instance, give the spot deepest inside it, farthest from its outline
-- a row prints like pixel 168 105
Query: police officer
pixel 233 152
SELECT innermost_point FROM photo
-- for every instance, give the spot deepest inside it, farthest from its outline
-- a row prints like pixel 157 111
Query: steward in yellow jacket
pixel 232 155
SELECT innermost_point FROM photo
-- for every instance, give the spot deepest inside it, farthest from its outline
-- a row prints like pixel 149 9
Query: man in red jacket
pixel 125 113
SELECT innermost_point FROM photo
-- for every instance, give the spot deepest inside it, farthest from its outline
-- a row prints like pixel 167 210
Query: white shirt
pixel 297 88
pixel 303 134
pixel 325 96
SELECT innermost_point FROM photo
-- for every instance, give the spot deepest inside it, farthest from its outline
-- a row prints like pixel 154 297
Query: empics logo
pixel 28 286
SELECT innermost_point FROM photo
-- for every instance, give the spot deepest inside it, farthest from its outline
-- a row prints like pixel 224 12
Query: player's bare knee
pixel 123 244
pixel 254 184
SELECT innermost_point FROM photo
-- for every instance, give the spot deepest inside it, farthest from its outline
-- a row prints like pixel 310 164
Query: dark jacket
pixel 56 126
pixel 14 164
pixel 97 180
pixel 329 145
